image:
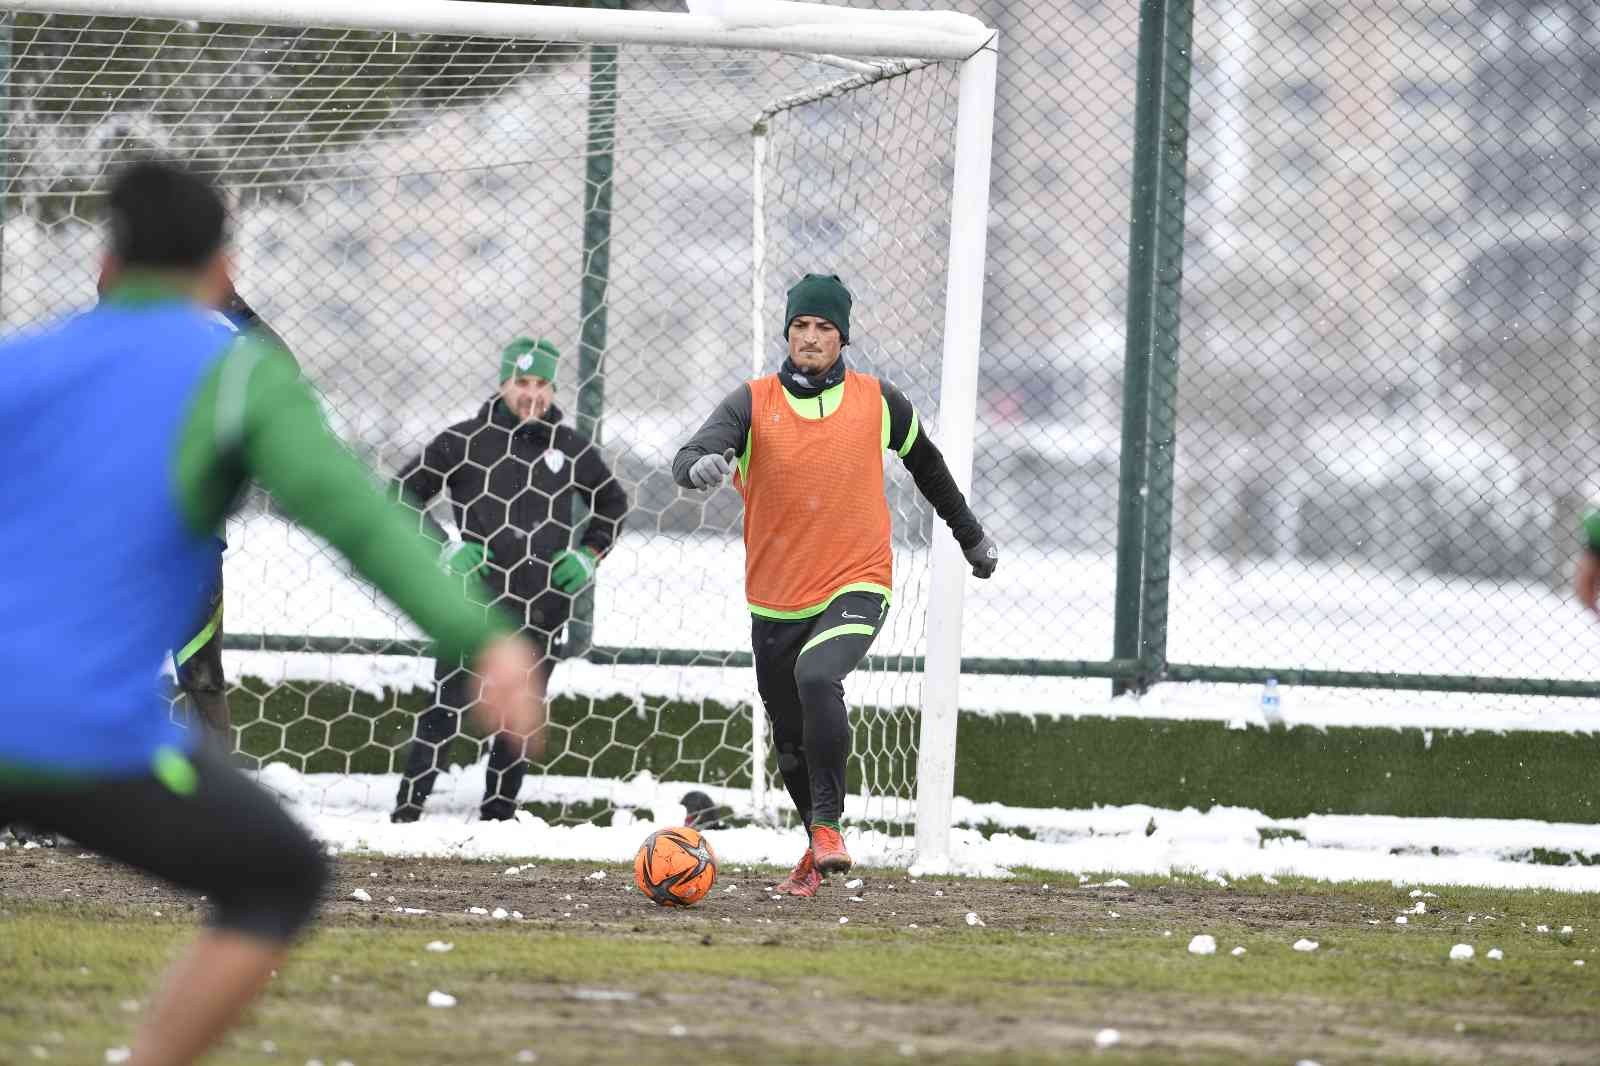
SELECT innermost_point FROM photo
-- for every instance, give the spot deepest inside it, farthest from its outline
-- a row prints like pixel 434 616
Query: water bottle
pixel 1271 703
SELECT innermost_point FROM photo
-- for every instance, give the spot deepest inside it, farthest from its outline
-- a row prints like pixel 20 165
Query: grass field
pixel 593 973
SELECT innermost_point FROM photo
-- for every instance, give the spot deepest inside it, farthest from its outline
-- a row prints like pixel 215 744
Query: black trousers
pixel 800 672
pixel 441 724
pixel 199 667
pixel 197 823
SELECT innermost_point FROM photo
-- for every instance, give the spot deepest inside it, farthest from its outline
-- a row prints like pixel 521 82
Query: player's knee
pixel 299 891
pixel 309 878
pixel 815 681
pixel 282 893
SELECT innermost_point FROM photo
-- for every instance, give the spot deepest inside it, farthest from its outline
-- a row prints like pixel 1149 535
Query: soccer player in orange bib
pixel 805 448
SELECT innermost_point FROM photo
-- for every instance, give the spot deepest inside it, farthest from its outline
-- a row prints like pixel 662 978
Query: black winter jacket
pixel 512 487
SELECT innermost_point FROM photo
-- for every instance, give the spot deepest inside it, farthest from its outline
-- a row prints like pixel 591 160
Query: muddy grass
pixel 592 972
pixel 563 893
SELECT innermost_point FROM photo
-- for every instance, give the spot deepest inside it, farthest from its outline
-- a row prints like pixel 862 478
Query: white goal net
pixel 406 203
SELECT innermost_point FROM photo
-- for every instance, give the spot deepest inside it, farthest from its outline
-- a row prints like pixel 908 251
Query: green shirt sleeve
pixel 255 417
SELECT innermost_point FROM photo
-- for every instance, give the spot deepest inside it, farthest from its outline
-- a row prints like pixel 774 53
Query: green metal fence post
pixel 597 183
pixel 1165 304
pixel 1132 495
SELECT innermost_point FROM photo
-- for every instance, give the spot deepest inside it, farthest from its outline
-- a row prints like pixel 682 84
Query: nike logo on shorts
pixel 847 614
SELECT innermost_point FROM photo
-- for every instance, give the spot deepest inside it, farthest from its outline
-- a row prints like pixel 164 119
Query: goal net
pixel 406 203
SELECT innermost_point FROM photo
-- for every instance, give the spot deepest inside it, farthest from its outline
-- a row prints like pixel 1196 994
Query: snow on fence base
pixel 351 814
pixel 1038 762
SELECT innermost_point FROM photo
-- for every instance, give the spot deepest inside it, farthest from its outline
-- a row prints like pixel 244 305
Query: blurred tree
pixel 265 109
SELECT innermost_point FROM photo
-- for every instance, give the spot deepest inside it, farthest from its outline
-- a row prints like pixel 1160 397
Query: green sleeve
pixel 1591 526
pixel 255 417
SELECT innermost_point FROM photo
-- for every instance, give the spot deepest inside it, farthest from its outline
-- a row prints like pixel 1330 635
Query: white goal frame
pixel 761 25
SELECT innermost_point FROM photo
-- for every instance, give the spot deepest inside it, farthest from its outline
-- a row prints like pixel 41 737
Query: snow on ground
pixel 1055 605
pixel 1050 606
pixel 350 813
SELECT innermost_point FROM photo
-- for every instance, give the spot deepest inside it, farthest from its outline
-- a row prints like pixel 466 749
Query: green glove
pixel 1591 527
pixel 572 570
pixel 464 559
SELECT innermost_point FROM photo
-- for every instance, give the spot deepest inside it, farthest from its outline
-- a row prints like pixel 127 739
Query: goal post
pixel 958 403
pixel 406 200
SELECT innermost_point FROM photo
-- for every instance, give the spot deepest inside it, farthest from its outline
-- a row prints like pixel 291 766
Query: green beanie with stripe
pixel 824 296
pixel 525 357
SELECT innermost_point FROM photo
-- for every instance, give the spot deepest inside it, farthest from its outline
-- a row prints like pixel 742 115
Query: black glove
pixel 984 556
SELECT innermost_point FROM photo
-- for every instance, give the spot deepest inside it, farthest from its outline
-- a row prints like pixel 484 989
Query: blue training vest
pixel 101 575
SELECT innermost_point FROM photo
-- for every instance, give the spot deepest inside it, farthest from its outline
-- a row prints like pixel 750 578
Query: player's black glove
pixel 984 556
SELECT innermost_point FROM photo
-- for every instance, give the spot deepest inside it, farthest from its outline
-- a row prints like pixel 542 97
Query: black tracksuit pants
pixel 441 724
pixel 800 672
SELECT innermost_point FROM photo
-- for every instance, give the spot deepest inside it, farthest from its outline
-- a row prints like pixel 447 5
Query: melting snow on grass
pixel 350 813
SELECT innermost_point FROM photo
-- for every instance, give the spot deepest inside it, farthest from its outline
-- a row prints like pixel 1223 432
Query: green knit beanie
pixel 823 295
pixel 528 357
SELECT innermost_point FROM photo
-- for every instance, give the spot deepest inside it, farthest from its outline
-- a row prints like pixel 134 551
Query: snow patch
pixel 1203 944
pixel 349 813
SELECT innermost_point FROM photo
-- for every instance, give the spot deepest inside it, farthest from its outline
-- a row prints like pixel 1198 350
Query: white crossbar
pixel 784 27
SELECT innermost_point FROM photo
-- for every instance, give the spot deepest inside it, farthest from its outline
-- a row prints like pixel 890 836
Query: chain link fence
pixel 1378 288
pixel 1371 322
pixel 1385 406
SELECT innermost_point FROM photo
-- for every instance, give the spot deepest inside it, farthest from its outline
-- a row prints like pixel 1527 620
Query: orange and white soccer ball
pixel 675 867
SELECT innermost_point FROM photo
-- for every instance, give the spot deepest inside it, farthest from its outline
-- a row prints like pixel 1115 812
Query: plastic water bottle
pixel 1271 703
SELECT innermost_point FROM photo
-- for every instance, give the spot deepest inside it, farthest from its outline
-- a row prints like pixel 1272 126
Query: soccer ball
pixel 675 867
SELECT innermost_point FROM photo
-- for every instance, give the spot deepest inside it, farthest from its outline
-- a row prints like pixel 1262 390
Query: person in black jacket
pixel 512 472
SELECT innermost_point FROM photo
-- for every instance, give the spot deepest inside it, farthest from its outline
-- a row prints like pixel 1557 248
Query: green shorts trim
pixel 848 629
pixel 186 653
pixel 816 609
